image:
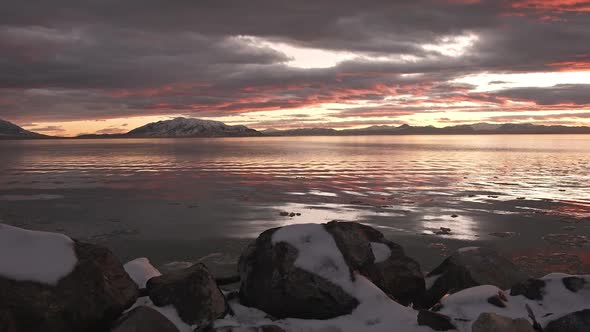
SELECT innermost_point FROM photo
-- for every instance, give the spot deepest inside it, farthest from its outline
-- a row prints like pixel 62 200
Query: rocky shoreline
pixel 339 276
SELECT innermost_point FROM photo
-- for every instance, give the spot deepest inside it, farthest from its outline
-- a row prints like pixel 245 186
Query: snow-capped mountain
pixel 189 127
pixel 10 130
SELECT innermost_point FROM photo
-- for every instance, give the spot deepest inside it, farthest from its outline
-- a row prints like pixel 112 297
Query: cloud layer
pixel 375 61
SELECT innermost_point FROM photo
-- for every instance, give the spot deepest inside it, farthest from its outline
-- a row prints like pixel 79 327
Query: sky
pixel 107 66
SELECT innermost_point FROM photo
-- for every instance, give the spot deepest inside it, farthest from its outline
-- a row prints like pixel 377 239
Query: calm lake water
pixel 178 200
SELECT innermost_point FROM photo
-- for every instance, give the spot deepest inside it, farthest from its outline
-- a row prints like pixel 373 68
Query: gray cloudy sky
pixel 68 67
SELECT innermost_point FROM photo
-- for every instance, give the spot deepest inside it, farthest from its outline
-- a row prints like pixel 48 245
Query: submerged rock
pixel 192 292
pixel 273 283
pixel 469 267
pixel 491 322
pixel 89 298
pixel 144 319
pixel 578 321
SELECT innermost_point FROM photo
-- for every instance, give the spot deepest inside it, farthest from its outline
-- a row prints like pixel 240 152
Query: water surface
pixel 188 199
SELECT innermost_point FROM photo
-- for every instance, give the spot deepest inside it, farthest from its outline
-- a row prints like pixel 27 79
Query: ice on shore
pixel 35 256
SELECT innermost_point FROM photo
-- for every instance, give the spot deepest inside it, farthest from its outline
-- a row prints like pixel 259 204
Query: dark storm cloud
pixel 65 60
pixel 574 94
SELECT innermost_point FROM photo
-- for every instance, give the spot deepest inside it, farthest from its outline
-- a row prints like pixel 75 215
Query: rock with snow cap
pixel 470 267
pixel 274 281
pixel 271 281
pixel 87 298
pixel 192 292
pixel 383 262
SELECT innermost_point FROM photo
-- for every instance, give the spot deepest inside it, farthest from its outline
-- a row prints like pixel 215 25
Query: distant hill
pixel 9 130
pixel 188 127
pixel 474 129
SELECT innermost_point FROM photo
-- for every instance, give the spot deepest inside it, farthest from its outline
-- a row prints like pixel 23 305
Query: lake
pixel 183 200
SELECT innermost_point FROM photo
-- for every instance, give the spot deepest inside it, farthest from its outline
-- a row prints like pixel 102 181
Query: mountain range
pixel 190 127
pixel 11 131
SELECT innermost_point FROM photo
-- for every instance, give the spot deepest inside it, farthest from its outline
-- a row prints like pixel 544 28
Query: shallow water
pixel 184 199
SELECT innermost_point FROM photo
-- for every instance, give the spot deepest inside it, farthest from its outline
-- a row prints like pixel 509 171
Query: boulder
pixel 491 322
pixel 470 267
pixel 435 321
pixel 578 321
pixel 272 283
pixel 193 293
pixel 144 319
pixel 532 289
pixel 89 298
pixel 367 252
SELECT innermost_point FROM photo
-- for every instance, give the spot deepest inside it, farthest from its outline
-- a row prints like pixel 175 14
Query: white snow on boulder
pixel 141 270
pixel 381 251
pixel 465 306
pixel 319 254
pixel 35 256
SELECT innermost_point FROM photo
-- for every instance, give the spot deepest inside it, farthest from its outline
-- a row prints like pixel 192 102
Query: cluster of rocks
pixel 98 295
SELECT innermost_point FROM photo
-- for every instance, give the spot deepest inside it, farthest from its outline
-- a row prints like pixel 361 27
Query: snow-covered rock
pixel 88 296
pixel 35 256
pixel 306 271
pixel 383 262
pixel 555 302
pixel 141 270
pixel 189 127
pixel 192 292
pixel 469 267
pixel 279 279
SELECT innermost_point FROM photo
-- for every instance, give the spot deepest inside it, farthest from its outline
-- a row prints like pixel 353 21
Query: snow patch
pixel 141 270
pixel 381 251
pixel 35 256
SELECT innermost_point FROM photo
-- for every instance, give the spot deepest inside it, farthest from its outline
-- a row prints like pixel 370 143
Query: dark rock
pixel 192 291
pixel 271 282
pixel 470 267
pixel 532 289
pixel 443 231
pixel 284 213
pixel 454 216
pixel 93 295
pixel 144 319
pixel 490 322
pixel 7 323
pixel 574 284
pixel 398 276
pixel 578 321
pixel 435 321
